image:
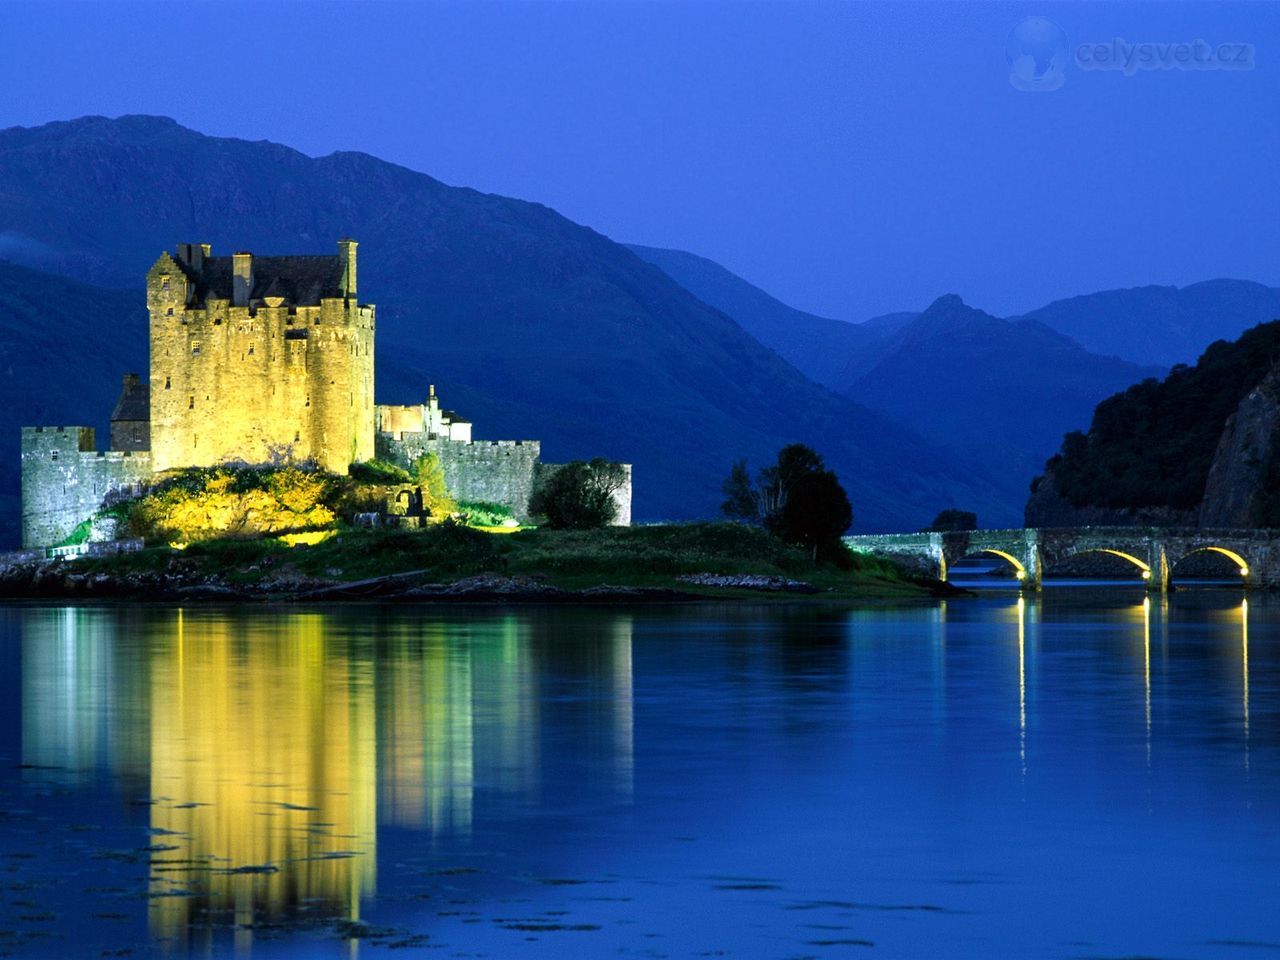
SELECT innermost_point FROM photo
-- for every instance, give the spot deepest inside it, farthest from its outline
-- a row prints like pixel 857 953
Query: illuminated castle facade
pixel 257 360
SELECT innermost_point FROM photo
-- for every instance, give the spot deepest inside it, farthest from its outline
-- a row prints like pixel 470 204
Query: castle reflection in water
pixel 270 747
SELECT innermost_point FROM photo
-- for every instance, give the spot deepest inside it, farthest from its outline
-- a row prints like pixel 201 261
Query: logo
pixel 1037 54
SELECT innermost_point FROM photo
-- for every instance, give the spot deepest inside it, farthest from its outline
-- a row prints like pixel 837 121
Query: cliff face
pixel 1237 491
pixel 1241 489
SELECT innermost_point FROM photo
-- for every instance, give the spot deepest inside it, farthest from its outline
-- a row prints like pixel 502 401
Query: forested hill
pixel 1150 450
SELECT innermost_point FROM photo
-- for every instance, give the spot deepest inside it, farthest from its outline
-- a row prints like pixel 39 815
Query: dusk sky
pixel 852 159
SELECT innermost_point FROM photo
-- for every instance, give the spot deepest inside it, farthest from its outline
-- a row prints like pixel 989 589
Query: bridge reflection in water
pixel 270 747
pixel 1153 552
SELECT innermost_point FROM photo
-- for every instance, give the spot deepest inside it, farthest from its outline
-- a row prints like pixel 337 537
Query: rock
pixel 1237 481
pixel 748 581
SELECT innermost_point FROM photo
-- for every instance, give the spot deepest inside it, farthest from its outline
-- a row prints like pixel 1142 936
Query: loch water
pixel 1082 774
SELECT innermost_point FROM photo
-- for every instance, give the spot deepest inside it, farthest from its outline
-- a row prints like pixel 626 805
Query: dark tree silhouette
pixel 951 521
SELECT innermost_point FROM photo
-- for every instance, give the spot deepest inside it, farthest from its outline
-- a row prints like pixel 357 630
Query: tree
pixel 816 514
pixel 580 495
pixel 796 498
pixel 953 521
pixel 429 473
pixel 741 499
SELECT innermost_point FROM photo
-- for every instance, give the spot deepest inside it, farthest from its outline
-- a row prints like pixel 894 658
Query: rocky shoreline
pixel 61 580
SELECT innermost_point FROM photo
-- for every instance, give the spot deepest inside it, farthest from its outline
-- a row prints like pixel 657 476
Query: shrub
pixel 230 502
pixel 429 473
pixel 580 495
pixel 379 471
pixel 482 513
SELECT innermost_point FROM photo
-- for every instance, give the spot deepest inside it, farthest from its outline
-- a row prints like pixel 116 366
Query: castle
pixel 258 360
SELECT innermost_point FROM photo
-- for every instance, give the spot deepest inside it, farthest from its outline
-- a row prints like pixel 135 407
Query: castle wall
pixel 257 383
pixel 65 481
pixel 495 471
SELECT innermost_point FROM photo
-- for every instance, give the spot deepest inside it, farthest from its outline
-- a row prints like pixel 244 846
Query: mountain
pixel 1165 325
pixel 1202 444
pixel 530 324
pixel 63 348
pixel 819 347
pixel 1003 390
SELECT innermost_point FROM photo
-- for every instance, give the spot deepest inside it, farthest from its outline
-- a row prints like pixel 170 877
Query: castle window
pixel 54 455
pixel 297 436
pixel 166 383
pixel 171 311
pixel 308 403
pixel 191 404
pixel 251 349
pixel 164 285
pixel 195 348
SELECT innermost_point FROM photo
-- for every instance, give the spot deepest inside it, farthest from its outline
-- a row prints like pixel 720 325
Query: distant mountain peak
pixel 947 302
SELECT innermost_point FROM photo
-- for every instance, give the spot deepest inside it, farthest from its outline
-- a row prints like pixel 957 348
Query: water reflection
pixel 263 774
pixel 269 747
pixel 295 771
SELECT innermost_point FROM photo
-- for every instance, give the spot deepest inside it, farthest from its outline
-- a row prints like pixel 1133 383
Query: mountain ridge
pixel 530 324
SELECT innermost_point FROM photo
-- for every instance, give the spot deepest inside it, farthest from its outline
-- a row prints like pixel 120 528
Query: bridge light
pixel 1020 574
pixel 1146 574
pixel 1244 571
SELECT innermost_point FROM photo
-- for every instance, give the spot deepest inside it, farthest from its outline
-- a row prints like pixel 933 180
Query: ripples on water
pixel 1087 775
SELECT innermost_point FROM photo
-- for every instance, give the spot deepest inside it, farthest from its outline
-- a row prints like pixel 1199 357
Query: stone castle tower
pixel 257 359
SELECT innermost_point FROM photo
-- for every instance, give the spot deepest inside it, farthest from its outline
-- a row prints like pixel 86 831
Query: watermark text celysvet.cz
pixel 1119 54
pixel 1040 56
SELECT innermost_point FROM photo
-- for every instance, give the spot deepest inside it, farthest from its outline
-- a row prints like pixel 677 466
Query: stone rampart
pixel 65 481
pixel 494 471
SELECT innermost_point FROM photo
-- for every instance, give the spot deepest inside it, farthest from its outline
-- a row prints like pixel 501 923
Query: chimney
pixel 193 254
pixel 347 254
pixel 241 278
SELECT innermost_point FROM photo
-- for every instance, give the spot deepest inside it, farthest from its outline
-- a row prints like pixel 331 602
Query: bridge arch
pixel 1019 568
pixel 1242 565
pixel 1144 568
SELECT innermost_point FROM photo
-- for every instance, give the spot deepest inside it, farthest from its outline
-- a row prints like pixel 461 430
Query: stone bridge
pixel 1154 551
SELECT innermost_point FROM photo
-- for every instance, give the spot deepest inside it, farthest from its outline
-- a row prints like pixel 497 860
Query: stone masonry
pixel 258 360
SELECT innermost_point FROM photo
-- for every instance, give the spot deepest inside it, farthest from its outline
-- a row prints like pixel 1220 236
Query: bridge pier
pixel 1032 562
pixel 1158 581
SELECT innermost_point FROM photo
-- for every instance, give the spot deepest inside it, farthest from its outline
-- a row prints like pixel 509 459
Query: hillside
pixel 1150 451
pixel 818 347
pixel 63 348
pixel 1164 325
pixel 530 324
pixel 1001 390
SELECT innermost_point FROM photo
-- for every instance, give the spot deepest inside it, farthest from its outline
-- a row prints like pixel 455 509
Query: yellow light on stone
pixel 1146 574
pixel 1244 571
pixel 177 546
pixel 1020 574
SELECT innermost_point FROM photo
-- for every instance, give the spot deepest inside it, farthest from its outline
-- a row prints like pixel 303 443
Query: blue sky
pixel 851 158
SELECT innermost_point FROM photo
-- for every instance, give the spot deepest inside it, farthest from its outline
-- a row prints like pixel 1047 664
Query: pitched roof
pixel 134 402
pixel 300 280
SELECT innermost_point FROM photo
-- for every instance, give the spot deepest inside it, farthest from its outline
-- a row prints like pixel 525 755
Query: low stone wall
pixel 65 481
pixel 494 471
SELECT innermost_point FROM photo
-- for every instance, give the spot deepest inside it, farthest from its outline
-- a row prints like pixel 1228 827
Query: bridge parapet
pixel 1155 551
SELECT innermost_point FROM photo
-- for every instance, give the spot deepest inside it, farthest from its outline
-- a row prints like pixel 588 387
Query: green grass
pixel 651 556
